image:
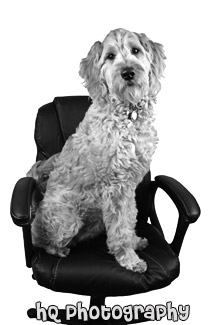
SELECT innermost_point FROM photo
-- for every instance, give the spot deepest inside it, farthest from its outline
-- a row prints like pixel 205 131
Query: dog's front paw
pixel 140 267
pixel 131 261
pixel 141 244
pixel 62 252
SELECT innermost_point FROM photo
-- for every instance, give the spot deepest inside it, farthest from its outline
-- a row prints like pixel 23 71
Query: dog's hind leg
pixel 54 227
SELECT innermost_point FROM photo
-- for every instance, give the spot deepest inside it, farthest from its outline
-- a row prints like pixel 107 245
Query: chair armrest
pixel 182 198
pixel 189 210
pixel 21 201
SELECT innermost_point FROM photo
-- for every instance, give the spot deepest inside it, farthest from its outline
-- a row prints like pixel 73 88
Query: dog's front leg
pixel 119 215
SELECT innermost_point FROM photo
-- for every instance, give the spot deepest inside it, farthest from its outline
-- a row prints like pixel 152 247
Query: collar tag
pixel 133 113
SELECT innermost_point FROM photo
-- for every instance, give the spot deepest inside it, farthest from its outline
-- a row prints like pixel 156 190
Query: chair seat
pixel 89 269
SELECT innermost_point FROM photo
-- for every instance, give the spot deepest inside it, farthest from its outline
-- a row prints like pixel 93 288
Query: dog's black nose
pixel 128 74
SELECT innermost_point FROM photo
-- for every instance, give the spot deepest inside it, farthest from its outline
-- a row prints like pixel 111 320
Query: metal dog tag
pixel 134 115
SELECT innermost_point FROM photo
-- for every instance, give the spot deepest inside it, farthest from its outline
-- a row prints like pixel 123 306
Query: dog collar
pixel 134 110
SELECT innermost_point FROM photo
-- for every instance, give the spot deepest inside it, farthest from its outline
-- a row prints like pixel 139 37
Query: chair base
pixel 94 301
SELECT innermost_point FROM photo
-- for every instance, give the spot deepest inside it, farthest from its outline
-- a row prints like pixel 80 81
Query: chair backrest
pixel 59 119
pixel 56 121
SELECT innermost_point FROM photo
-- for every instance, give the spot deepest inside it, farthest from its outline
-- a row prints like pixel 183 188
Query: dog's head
pixel 126 65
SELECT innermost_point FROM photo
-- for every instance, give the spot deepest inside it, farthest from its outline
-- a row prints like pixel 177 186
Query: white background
pixel 42 43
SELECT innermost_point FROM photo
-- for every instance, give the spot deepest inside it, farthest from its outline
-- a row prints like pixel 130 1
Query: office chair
pixel 90 269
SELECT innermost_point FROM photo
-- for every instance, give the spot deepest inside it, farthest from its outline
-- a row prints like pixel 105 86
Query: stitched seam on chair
pixel 38 136
pixel 36 263
pixel 53 279
pixel 59 115
pixel 164 269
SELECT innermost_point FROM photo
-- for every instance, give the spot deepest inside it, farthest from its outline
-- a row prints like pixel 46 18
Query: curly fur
pixel 92 182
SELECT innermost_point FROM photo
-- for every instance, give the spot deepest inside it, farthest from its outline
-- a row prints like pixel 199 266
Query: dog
pixel 91 182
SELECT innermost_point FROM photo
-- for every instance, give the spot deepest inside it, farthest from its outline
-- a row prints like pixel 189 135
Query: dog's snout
pixel 128 74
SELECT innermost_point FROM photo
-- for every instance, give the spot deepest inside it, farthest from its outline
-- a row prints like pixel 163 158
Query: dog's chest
pixel 106 141
pixel 119 139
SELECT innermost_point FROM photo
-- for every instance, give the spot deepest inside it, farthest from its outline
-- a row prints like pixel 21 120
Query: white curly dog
pixel 92 182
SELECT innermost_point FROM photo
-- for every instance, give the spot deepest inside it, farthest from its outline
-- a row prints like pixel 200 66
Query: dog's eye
pixel 135 50
pixel 110 56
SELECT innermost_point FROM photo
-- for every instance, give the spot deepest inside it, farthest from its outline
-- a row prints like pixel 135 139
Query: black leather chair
pixel 90 269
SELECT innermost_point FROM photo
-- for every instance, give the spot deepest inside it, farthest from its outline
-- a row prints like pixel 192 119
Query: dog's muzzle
pixel 128 74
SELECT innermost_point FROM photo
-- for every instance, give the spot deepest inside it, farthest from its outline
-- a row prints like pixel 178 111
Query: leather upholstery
pixel 56 121
pixel 183 199
pixel 21 201
pixel 91 270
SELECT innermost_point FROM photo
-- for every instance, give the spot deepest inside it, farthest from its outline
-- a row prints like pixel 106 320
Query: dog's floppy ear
pixel 89 70
pixel 157 56
pixel 157 67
